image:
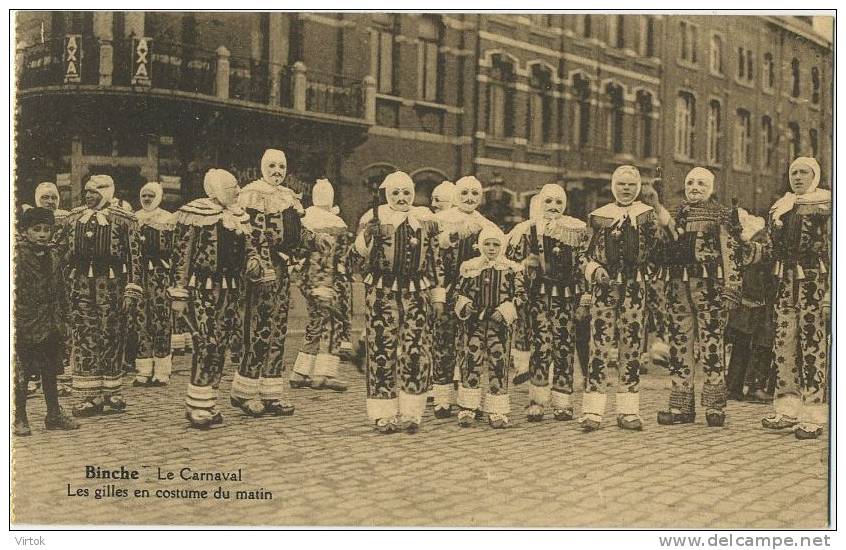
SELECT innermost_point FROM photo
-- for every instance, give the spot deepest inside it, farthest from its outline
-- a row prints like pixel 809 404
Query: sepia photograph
pixel 408 269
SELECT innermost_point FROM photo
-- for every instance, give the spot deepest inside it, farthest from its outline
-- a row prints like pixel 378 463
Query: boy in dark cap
pixel 39 319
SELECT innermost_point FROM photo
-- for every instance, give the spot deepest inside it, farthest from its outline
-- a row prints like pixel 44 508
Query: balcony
pixel 133 65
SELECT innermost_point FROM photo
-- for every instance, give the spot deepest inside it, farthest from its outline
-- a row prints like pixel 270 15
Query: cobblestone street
pixel 327 466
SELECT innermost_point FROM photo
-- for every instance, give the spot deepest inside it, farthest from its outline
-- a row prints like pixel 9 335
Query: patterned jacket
pixel 329 266
pixel 708 245
pixel 275 215
pixel 157 233
pixel 553 253
pixel 103 242
pixel 624 241
pixel 211 247
pixel 406 256
pixel 490 286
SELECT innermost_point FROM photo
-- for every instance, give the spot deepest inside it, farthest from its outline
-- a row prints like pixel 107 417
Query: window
pixel 428 62
pixel 769 72
pixel 794 141
pixel 767 143
pixel 743 140
pixel 644 121
pixel 714 132
pixel 384 54
pixel 814 137
pixel 688 43
pixel 745 65
pixel 584 26
pixel 614 128
pixel 815 82
pixel 616 31
pixel 501 98
pixel 646 46
pixel 794 71
pixel 716 54
pixel 581 111
pixel 685 124
pixel 540 105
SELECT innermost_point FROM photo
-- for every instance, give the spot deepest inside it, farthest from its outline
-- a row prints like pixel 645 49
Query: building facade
pixel 517 100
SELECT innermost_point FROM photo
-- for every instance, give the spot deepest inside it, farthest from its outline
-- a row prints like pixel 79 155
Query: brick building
pixel 517 100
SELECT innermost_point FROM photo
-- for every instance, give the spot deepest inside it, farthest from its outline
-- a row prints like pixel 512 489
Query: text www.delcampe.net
pixel 750 541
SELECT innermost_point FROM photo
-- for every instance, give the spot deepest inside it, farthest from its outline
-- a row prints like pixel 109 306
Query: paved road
pixel 326 466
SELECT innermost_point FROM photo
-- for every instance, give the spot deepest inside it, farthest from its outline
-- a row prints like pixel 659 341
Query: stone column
pixel 133 24
pixel 300 84
pixel 222 73
pixel 370 99
pixel 278 35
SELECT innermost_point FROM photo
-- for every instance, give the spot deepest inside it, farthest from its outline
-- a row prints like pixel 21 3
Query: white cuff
pixel 304 364
pixel 438 295
pixel 244 388
pixel 326 365
pixel 382 408
pixel 469 398
pixel 508 312
pixel 561 400
pixel 411 406
pixel 814 414
pixel 594 403
pixel 497 404
pixel 177 293
pixel 460 303
pixel 539 394
pixel 162 368
pixel 144 367
pixel 200 397
pixel 628 403
pixel 323 292
pixel 443 394
pixel 586 299
pixel 271 388
pixel 590 268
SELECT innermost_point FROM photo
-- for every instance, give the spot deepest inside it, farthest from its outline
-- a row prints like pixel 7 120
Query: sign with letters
pixel 141 56
pixel 73 58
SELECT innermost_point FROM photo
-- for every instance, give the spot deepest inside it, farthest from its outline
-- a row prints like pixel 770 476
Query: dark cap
pixel 36 215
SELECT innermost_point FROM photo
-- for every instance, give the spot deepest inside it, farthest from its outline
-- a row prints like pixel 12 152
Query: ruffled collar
pixel 474 266
pixel 268 198
pixel 205 212
pixel 395 218
pixel 619 213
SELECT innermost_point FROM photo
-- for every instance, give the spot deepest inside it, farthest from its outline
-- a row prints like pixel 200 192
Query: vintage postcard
pixel 373 269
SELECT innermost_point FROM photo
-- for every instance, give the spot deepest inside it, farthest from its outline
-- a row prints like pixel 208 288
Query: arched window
pixel 767 143
pixel 714 130
pixel 794 141
pixel 716 54
pixel 540 120
pixel 501 98
pixel 685 124
pixel 743 140
pixel 615 117
pixel 794 71
pixel 424 182
pixel 644 121
pixel 581 111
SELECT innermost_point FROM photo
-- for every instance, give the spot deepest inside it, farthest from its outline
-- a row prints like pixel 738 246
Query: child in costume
pixel 488 296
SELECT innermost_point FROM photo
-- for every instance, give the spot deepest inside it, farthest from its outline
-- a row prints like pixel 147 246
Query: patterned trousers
pixel 487 347
pixel 265 328
pixel 98 335
pixel 345 310
pixel 800 348
pixel 697 323
pixel 214 313
pixel 448 332
pixel 617 328
pixel 552 331
pixel 398 361
pixel 154 325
